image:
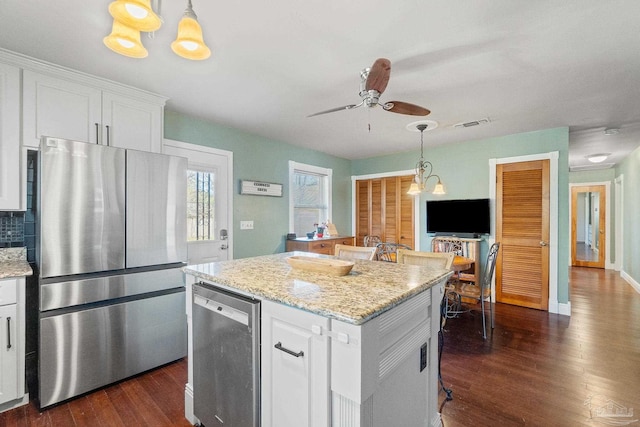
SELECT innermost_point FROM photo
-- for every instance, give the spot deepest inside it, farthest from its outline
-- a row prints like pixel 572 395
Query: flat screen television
pixel 468 217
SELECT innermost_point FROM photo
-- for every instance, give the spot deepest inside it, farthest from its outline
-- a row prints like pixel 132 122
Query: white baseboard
pixel 635 285
pixel 188 405
pixel 560 308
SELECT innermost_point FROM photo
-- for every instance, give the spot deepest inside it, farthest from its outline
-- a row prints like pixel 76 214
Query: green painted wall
pixel 464 169
pixel 630 171
pixel 260 159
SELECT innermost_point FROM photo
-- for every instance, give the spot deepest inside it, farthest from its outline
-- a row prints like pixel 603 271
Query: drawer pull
pixel 286 350
pixel 8 333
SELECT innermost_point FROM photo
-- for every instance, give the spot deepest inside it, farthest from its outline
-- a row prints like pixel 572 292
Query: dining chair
pixel 388 251
pixel 455 292
pixel 354 252
pixel 371 240
pixel 441 260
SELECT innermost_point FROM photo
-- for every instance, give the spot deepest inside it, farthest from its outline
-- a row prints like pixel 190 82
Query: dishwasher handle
pixel 222 309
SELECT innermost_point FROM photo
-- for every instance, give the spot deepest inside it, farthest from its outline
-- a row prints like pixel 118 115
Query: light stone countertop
pixel 13 263
pixel 371 288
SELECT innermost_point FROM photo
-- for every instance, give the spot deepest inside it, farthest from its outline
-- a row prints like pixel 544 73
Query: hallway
pixel 541 369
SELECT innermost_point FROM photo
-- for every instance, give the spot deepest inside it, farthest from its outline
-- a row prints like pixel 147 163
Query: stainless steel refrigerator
pixel 111 243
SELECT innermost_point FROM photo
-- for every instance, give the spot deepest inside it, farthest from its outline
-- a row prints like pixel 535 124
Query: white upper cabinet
pixel 61 107
pixel 9 137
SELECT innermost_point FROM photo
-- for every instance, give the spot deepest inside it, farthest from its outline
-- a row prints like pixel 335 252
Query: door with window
pixel 588 229
pixel 209 201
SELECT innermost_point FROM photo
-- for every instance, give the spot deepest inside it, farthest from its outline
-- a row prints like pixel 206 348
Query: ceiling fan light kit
pixel 373 82
pixel 130 17
pixel 424 171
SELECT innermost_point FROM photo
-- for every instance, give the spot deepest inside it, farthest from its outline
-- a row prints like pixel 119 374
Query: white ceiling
pixel 525 65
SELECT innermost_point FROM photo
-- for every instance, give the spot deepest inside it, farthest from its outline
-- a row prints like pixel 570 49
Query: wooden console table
pixel 325 246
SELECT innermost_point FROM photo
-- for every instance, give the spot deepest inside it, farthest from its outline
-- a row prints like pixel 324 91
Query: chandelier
pixel 130 17
pixel 424 171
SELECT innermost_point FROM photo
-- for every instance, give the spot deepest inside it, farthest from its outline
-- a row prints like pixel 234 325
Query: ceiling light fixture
pixel 598 158
pixel 130 17
pixel 189 43
pixel 424 171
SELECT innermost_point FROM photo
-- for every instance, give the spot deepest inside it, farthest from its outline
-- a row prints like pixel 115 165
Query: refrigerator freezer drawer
pixel 156 209
pixel 77 292
pixel 88 349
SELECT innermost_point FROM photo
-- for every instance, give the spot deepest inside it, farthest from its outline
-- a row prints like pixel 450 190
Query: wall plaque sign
pixel 258 188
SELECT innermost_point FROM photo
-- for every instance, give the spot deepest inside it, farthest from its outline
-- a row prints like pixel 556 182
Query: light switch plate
pixel 246 225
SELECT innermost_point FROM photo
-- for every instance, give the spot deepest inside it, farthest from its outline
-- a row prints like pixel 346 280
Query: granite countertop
pixel 13 263
pixel 371 288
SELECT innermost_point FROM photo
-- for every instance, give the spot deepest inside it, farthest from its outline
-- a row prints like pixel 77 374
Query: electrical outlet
pixel 423 357
pixel 246 225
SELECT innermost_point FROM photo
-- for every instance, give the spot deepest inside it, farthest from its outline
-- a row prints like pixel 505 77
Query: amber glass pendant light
pixel 189 44
pixel 136 14
pixel 125 41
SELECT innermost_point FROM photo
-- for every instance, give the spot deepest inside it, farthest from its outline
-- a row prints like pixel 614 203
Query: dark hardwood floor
pixel 537 369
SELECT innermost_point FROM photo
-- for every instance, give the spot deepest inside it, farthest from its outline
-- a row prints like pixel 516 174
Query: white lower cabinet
pixel 295 367
pixel 12 368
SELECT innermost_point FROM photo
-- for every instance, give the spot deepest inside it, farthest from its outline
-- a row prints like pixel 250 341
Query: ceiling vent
pixel 591 167
pixel 473 123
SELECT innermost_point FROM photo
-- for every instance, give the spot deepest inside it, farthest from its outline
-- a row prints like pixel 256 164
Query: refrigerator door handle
pixel 97 133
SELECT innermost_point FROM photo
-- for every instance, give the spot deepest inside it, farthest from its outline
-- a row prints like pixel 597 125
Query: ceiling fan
pixel 373 82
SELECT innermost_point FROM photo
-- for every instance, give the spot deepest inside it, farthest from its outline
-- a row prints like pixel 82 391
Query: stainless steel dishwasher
pixel 226 358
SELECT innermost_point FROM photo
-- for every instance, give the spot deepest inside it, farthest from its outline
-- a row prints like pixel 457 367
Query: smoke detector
pixel 473 123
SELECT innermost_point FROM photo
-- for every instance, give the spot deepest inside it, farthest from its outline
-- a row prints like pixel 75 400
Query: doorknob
pixel 224 247
pixel 543 243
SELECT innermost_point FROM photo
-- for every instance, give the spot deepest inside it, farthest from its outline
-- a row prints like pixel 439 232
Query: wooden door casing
pixel 522 228
pixel 385 209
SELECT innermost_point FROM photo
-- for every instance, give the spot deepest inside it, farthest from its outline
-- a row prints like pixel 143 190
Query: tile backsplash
pixel 11 229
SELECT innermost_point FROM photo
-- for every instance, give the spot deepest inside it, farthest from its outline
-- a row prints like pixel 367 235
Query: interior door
pixel 209 201
pixel 588 231
pixel 385 209
pixel 522 228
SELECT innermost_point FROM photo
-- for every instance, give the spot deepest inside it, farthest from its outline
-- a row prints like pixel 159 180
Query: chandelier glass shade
pixel 136 14
pixel 189 43
pixel 125 41
pixel 424 172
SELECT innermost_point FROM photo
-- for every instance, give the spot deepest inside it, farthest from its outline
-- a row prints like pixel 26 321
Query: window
pixel 200 205
pixel 309 197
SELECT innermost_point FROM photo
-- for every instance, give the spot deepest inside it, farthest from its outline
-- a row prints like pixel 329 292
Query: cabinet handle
pixel 286 350
pixel 107 126
pixel 322 245
pixel 97 133
pixel 8 333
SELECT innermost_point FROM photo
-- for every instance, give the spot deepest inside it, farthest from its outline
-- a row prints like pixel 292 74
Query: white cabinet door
pixel 59 108
pixel 10 186
pixel 131 123
pixel 295 368
pixel 8 353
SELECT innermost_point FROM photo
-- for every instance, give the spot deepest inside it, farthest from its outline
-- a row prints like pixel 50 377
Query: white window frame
pixel 311 169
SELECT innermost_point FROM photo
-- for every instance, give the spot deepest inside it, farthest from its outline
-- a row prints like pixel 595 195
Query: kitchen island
pixel 366 342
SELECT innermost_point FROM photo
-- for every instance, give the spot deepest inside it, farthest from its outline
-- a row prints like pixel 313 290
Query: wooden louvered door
pixel 522 228
pixel 385 209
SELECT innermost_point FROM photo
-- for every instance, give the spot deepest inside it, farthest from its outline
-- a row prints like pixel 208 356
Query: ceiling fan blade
pixel 405 108
pixel 346 107
pixel 379 75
